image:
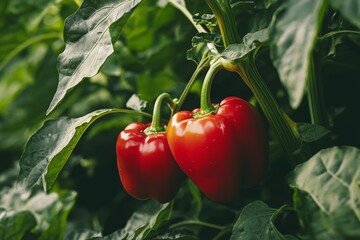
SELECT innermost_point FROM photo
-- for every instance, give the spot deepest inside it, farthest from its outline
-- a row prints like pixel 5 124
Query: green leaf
pixel 350 9
pixel 143 222
pixel 294 36
pixel 327 194
pixel 89 35
pixel 197 52
pixel 256 221
pixel 51 211
pixel 44 215
pixel 176 235
pixel 251 41
pixel 207 19
pixel 14 224
pixel 311 132
pixel 206 38
pixel 235 52
pixel 49 148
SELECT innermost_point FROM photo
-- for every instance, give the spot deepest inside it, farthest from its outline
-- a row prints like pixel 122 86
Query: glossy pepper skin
pixel 223 151
pixel 146 166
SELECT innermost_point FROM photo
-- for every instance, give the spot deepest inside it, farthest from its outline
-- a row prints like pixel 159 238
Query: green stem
pixel 284 127
pixel 198 27
pixel 187 14
pixel 223 232
pixel 78 2
pixel 206 106
pixel 225 20
pixel 196 222
pixel 316 99
pixel 202 65
pixel 26 44
pixel 334 33
pixel 280 211
pixel 156 125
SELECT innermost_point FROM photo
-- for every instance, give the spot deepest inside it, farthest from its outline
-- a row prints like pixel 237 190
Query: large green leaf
pixel 256 222
pixel 89 35
pixel 293 37
pixel 34 212
pixel 143 222
pixel 52 211
pixel 327 194
pixel 49 148
pixel 14 224
pixel 350 9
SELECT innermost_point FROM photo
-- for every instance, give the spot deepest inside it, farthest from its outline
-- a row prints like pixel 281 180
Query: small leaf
pixel 143 222
pixel 207 19
pixel 89 35
pixel 206 38
pixel 49 148
pixel 311 132
pixel 256 222
pixel 14 224
pixel 251 41
pixel 235 52
pixel 136 103
pixel 197 52
pixel 327 194
pixel 350 9
pixel 293 37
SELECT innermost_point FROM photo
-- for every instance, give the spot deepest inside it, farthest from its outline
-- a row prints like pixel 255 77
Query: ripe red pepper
pixel 146 166
pixel 221 151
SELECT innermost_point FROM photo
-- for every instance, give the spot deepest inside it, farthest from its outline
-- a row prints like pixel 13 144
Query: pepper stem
pixel 206 106
pixel 156 125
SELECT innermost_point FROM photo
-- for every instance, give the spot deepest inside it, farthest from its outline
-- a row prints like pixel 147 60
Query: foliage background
pixel 150 58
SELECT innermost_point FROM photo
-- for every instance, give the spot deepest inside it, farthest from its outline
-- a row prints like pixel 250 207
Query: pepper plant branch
pixel 284 127
pixel 223 232
pixel 26 44
pixel 197 222
pixel 334 33
pixel 201 66
pixel 198 27
pixel 316 99
pixel 225 20
pixel 187 14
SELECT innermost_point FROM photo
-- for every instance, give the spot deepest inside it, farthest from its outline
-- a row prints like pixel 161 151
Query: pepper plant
pixel 100 140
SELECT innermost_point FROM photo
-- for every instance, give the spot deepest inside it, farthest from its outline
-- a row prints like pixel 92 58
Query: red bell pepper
pixel 146 166
pixel 221 151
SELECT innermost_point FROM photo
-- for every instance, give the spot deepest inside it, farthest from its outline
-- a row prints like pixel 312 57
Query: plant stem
pixel 334 33
pixel 156 125
pixel 26 44
pixel 284 127
pixel 206 106
pixel 202 65
pixel 316 100
pixel 198 27
pixel 187 14
pixel 225 20
pixel 222 232
pixel 196 222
